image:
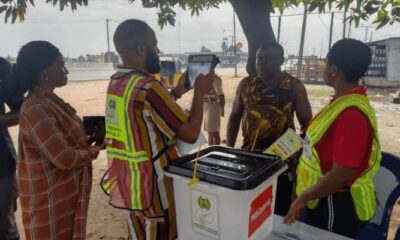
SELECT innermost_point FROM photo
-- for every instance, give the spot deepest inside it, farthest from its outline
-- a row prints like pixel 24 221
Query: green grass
pixel 319 91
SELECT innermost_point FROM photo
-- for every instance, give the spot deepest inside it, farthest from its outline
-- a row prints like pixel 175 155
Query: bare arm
pixel 235 118
pixel 330 183
pixel 190 130
pixel 338 177
pixel 221 99
pixel 180 88
pixel 302 105
pixel 9 119
pixel 220 94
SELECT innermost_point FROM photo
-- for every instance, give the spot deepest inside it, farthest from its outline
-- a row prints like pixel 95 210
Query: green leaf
pixel 321 6
pixel 171 19
pixel 383 23
pixel 330 5
pixel 21 13
pixel 73 5
pixel 2 9
pixel 281 6
pixel 369 9
pixel 396 12
pixel 14 15
pixel 313 5
pixel 356 21
pixel 8 13
pixel 347 5
pixel 382 14
pixel 375 2
pixel 359 2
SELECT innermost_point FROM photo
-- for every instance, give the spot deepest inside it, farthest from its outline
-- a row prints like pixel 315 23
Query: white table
pixel 300 231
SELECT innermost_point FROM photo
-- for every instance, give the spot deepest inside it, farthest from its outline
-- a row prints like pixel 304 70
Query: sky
pixel 84 31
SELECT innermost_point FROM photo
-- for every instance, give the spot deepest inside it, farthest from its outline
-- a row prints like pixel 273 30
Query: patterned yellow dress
pixel 268 112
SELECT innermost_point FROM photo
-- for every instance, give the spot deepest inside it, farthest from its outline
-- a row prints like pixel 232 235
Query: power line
pixel 326 27
pixel 301 14
pixel 63 23
pixel 366 32
pixel 150 19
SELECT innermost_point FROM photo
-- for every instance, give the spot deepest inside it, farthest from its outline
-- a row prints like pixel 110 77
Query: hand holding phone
pixel 204 84
pixel 180 88
pixel 199 64
pixel 95 130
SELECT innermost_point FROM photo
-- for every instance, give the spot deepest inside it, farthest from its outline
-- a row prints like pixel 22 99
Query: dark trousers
pixel 283 195
pixel 8 206
pixel 336 213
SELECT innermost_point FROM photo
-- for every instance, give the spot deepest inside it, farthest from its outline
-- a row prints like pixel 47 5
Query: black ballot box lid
pixel 228 167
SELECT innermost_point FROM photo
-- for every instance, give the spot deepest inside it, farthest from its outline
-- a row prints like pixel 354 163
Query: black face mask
pixel 153 63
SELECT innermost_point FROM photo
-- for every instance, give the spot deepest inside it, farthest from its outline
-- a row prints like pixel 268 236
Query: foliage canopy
pixel 384 11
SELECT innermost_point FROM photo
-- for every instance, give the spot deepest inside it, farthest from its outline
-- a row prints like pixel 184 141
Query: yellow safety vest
pixel 309 170
pixel 118 127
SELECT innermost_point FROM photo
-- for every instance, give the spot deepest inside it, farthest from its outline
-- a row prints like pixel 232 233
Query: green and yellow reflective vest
pixel 309 170
pixel 126 179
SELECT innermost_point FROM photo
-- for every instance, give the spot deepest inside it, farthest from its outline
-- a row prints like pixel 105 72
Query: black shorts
pixel 336 213
pixel 284 192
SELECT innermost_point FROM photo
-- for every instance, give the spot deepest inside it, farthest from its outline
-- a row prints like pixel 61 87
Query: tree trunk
pixel 254 16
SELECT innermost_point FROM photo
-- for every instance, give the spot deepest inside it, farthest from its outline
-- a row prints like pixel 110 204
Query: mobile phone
pixel 199 64
pixel 91 122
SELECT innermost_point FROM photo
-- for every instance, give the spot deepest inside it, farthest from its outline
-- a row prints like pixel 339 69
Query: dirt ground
pixel 105 222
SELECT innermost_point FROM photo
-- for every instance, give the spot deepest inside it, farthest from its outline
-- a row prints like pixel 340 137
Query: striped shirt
pixel 54 168
pixel 156 119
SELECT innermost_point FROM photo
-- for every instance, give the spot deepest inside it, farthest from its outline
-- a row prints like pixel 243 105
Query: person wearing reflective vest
pixel 342 153
pixel 142 122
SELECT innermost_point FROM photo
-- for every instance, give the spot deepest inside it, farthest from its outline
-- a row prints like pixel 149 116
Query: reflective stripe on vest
pixel 309 170
pixel 118 127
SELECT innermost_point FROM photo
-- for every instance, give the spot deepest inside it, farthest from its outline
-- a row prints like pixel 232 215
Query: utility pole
pixel 303 33
pixel 366 32
pixel 279 28
pixel 108 42
pixel 348 35
pixel 331 30
pixel 179 32
pixel 320 53
pixel 344 24
pixel 234 41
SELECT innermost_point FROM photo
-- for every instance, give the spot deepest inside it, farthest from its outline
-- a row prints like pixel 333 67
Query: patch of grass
pixel 319 91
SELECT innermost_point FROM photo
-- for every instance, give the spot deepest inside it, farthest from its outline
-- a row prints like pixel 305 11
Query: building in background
pixel 384 70
pixel 312 68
